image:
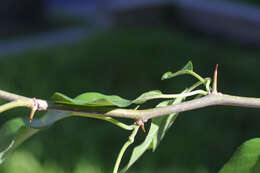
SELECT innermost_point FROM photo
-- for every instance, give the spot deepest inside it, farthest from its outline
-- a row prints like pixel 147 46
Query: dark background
pixel 126 55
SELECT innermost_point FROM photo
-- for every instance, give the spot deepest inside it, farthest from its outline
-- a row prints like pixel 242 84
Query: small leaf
pixel 245 159
pixel 185 70
pixel 91 99
pixel 147 96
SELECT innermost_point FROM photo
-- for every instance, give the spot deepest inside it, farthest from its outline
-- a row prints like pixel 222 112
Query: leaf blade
pixel 187 69
pixel 91 99
pixel 245 159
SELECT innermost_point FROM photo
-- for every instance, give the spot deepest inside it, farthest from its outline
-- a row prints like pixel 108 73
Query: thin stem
pixel 169 96
pixel 109 119
pixel 197 76
pixel 16 103
pixel 10 96
pixel 125 146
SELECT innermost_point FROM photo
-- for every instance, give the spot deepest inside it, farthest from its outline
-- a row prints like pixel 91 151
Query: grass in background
pixel 127 63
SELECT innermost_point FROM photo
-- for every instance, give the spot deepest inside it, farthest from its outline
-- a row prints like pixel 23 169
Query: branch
pixel 21 101
pixel 144 115
pixel 209 100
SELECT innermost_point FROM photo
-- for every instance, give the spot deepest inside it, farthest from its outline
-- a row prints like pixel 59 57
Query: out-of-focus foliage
pixel 245 159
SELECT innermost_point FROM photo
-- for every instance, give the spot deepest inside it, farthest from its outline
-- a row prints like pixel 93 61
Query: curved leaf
pixel 185 70
pixel 245 159
pixel 91 99
pixel 147 96
pixel 97 99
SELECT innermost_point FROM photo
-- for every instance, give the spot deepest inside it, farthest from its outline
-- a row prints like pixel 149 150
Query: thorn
pixel 32 114
pixel 34 108
pixel 141 123
pixel 142 126
pixel 215 80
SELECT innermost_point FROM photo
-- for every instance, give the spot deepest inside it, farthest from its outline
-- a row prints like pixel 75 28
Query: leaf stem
pixel 169 96
pixel 101 117
pixel 125 146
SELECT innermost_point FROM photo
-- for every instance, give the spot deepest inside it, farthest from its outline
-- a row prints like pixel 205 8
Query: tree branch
pixel 209 100
pixel 144 115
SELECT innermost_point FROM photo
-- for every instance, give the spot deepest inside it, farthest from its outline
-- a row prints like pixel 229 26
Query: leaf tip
pixel 166 75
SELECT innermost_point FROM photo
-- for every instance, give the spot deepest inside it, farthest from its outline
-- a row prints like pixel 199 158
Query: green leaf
pixel 187 69
pixel 147 96
pixel 13 133
pixel 158 128
pixel 101 100
pixel 139 150
pixel 165 122
pixel 16 131
pixel 91 99
pixel 245 159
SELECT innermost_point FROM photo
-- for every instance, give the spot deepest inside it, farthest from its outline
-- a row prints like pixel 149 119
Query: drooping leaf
pixel 158 128
pixel 245 159
pixel 187 69
pixel 91 99
pixel 139 150
pixel 16 131
pixel 165 122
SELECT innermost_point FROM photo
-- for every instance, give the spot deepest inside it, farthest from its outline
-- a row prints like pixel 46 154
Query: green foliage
pixel 245 159
pixel 187 69
pixel 16 131
pixel 121 55
pixel 160 125
pixel 91 99
pixel 157 131
pixel 13 133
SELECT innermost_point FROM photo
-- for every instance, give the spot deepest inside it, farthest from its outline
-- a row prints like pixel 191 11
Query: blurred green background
pixel 127 62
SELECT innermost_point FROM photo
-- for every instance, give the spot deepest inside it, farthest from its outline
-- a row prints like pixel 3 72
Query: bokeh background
pixel 123 47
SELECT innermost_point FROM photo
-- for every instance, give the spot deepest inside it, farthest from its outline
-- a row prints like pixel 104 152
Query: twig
pixel 21 101
pixel 16 103
pixel 123 149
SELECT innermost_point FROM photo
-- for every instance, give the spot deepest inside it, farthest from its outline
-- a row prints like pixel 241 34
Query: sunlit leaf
pixel 91 99
pixel 245 159
pixel 185 70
